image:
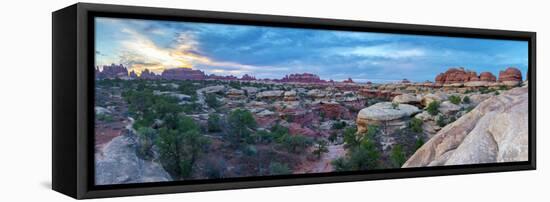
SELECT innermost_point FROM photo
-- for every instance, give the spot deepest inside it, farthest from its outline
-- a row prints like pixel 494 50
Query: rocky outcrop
pixel 384 113
pixel 235 94
pixel 290 96
pixel 270 94
pixel 510 77
pixel 448 108
pixel 487 76
pixel 333 110
pixel 111 71
pixel 118 163
pixel 494 131
pixel 456 75
pixel 406 99
pixel 212 89
pixel 427 99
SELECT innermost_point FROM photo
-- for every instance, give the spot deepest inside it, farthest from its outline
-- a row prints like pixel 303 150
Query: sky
pixel 272 52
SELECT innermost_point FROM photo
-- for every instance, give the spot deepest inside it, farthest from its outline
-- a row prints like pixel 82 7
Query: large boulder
pixel 495 131
pixel 383 112
pixel 118 163
pixel 427 99
pixel 406 99
pixel 448 108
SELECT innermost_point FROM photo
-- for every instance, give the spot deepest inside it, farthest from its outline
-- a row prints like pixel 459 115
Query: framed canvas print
pixel 154 100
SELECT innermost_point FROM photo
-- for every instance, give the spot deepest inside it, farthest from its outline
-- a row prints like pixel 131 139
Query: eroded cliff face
pixel 494 131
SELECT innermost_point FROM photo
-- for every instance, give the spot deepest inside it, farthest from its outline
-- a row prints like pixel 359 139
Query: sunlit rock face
pixel 494 131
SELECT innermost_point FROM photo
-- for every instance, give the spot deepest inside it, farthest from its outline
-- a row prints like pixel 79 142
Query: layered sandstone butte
pixel 494 131
pixel 456 75
pixel 511 76
pixel 487 76
pixel 302 78
pixel 183 74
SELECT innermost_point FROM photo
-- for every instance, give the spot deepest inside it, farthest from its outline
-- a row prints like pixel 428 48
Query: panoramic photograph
pixel 181 101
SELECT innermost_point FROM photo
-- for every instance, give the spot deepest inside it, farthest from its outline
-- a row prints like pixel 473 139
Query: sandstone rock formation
pixel 494 131
pixel 383 113
pixel 119 164
pixel 302 78
pixel 456 75
pixel 290 96
pixel 510 77
pixel 235 94
pixel 406 99
pixel 487 76
pixel 427 99
pixel 270 94
pixel 448 108
pixel 183 74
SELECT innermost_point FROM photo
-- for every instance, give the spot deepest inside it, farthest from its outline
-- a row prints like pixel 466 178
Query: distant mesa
pixel 247 77
pixel 183 74
pixel 405 81
pixel 349 80
pixel 302 78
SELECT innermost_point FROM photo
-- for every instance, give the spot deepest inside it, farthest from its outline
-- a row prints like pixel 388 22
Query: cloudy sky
pixel 272 52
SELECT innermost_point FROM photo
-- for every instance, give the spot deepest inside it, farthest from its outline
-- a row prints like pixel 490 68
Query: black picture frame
pixel 73 93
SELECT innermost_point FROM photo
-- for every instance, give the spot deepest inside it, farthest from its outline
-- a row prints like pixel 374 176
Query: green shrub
pixel 276 168
pixel 145 140
pixel 440 120
pixel 105 118
pixel 214 122
pixel 180 144
pixel 339 125
pixel 320 148
pixel 332 137
pixel 416 125
pixel 212 101
pixel 397 156
pixel 295 143
pixel 240 126
pixel 419 142
pixel 433 108
pixel 455 99
pixel 394 105
pixel 466 100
